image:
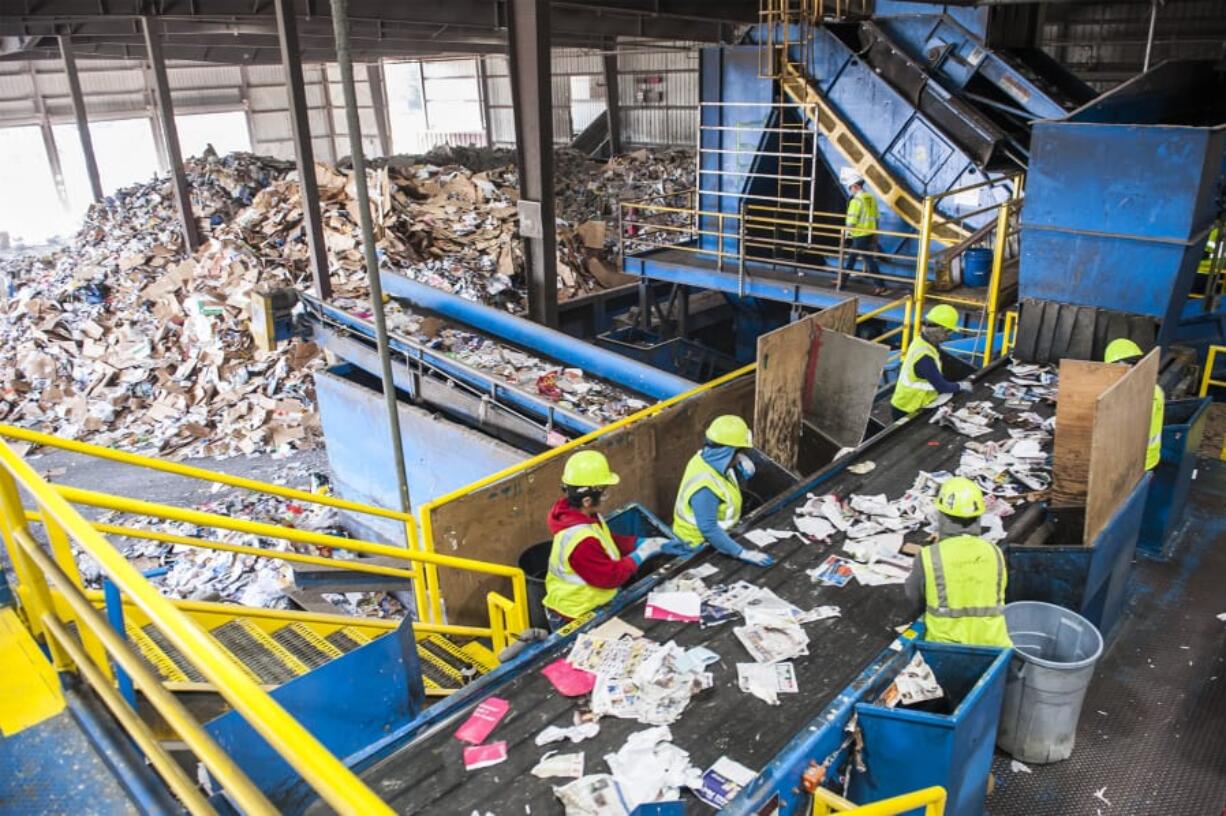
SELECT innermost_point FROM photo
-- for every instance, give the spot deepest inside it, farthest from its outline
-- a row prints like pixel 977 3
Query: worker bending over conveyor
pixel 920 380
pixel 588 562
pixel 1123 350
pixel 960 581
pixel 709 498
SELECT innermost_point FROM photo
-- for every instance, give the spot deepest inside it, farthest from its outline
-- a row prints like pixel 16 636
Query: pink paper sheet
pixel 478 726
pixel 568 680
pixel 482 756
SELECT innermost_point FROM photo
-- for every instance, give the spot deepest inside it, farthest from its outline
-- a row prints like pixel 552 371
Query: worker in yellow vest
pixel 920 380
pixel 709 499
pixel 588 562
pixel 1203 284
pixel 861 225
pixel 1123 350
pixel 960 581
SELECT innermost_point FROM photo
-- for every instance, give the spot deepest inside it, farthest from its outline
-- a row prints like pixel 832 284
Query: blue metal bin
pixel 905 749
pixel 1182 430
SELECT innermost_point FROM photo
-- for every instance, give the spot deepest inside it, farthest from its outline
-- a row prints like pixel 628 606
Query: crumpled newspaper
pixel 647 768
pixel 916 683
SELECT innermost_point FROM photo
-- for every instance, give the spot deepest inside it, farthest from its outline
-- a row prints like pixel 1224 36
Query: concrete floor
pixel 124 480
pixel 1152 733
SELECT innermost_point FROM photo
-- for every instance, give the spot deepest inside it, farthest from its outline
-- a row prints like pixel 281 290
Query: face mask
pixel 744 467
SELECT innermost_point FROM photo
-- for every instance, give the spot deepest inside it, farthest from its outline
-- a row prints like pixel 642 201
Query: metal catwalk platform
pixel 1153 728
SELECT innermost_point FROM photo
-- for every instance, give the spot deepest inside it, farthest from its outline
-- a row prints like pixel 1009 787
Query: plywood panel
pixel 784 368
pixel 1081 384
pixel 842 381
pixel 1118 442
pixel 783 362
pixel 840 318
pixel 498 522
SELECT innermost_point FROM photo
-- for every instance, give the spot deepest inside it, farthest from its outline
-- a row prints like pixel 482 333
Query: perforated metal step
pixel 263 657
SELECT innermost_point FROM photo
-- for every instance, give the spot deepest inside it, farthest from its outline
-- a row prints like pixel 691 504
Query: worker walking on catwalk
pixel 709 498
pixel 920 380
pixel 861 224
pixel 960 581
pixel 588 563
pixel 1123 350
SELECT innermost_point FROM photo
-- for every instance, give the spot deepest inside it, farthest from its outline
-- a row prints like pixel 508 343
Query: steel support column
pixel 78 110
pixel 49 145
pixel 378 101
pixel 170 133
pixel 484 96
pixel 340 24
pixel 532 96
pixel 304 154
pixel 612 98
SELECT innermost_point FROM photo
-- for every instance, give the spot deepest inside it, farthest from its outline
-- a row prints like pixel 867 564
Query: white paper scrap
pixel 569 766
pixel 574 733
pixel 723 781
pixel 765 538
pixel 818 528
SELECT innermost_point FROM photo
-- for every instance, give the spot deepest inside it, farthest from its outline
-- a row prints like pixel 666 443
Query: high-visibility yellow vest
pixel 1206 263
pixel 698 474
pixel 565 591
pixel 912 392
pixel 861 214
pixel 964 590
pixel 1153 451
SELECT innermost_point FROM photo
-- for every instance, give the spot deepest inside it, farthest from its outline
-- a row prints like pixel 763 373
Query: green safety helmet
pixel 588 469
pixel 961 498
pixel 1121 348
pixel 943 315
pixel 731 430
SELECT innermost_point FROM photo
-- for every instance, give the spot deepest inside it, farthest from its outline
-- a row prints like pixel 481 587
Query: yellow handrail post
pixel 921 261
pixel 61 550
pixel 32 589
pixel 998 265
pixel 906 324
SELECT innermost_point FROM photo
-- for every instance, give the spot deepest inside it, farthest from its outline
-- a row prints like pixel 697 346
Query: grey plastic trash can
pixel 1053 660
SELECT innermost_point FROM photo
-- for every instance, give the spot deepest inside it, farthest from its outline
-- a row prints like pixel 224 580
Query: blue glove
pixel 678 547
pixel 756 557
pixel 647 547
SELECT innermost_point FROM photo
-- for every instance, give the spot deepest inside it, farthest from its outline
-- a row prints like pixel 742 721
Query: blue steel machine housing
pixel 1122 193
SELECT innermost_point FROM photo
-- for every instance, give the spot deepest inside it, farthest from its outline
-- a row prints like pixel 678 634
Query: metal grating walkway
pixel 1153 729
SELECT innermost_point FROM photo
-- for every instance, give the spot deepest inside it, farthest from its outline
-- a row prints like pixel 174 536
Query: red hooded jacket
pixel 588 559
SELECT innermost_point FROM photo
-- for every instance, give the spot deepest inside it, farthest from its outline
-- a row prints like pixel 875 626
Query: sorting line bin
pixel 1054 654
pixel 1182 431
pixel 907 749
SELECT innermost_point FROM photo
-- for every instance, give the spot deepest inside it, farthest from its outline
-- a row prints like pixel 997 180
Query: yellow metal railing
pixel 1000 238
pixel 39 571
pixel 932 800
pixel 903 332
pixel 421 563
pixel 1206 377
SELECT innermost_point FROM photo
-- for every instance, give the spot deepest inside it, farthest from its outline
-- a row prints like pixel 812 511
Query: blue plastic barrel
pixel 977 267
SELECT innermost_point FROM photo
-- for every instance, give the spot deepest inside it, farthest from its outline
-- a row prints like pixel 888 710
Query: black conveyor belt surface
pixel 428 776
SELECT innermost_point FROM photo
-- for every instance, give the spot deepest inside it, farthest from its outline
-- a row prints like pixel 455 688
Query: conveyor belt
pixel 427 776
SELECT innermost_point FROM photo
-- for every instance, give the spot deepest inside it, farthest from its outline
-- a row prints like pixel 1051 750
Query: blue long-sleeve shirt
pixel 930 371
pixel 705 503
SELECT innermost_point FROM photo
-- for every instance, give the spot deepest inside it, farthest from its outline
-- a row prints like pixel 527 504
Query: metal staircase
pixel 273 651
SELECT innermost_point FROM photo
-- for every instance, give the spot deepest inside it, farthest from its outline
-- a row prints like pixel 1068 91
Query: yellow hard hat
pixel 730 429
pixel 1121 348
pixel 588 469
pixel 943 315
pixel 961 498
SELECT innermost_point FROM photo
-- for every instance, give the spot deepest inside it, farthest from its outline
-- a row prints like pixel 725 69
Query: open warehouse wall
pixel 428 103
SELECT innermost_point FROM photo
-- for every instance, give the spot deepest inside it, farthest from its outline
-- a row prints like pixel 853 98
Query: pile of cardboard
pixel 120 339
